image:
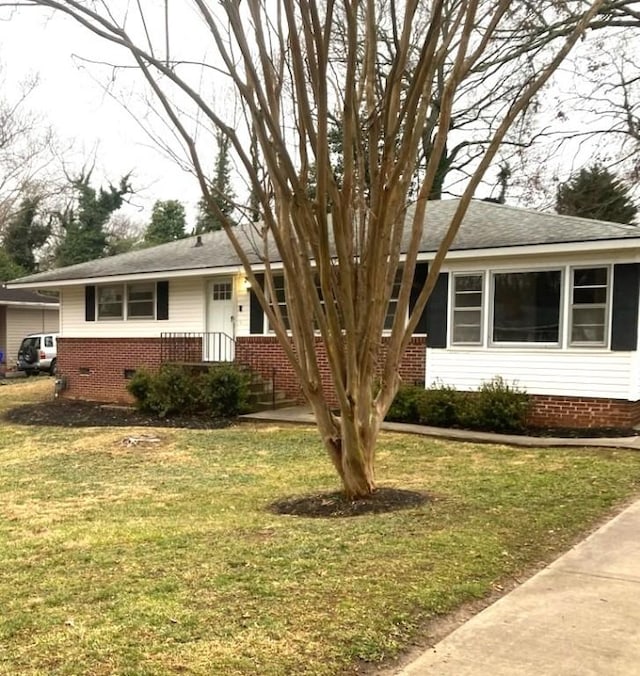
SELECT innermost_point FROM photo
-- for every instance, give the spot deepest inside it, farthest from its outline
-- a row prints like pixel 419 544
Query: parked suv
pixel 38 353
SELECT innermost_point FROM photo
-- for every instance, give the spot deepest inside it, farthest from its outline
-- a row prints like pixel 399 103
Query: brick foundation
pixel 94 368
pixel 265 355
pixel 583 412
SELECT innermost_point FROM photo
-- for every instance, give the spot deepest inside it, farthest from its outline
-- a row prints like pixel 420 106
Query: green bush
pixel 225 391
pixel 439 406
pixel 173 390
pixel 495 407
pixel 405 406
pixel 498 407
pixel 139 386
pixel 221 392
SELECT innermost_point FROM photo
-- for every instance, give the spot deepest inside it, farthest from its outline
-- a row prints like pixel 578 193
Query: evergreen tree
pixel 167 223
pixel 221 190
pixel 84 235
pixel 596 193
pixel 25 234
pixel 9 269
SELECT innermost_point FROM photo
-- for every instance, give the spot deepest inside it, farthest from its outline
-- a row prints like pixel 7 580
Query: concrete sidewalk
pixel 303 415
pixel 580 616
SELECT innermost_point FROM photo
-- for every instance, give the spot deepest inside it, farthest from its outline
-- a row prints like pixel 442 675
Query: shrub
pixel 404 407
pixel 224 390
pixel 221 392
pixel 139 387
pixel 173 390
pixel 440 406
pixel 495 407
pixel 498 407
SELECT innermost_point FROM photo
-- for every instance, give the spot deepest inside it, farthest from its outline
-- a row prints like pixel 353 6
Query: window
pixel 48 341
pixel 467 309
pixel 110 302
pixel 526 307
pixel 221 291
pixel 140 301
pixel 589 297
pixel 393 302
pixel 281 301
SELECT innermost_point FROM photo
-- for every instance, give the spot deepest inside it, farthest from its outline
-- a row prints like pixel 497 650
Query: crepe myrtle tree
pixel 298 67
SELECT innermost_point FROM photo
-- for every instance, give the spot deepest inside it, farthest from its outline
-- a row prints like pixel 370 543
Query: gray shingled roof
pixel 486 226
pixel 24 296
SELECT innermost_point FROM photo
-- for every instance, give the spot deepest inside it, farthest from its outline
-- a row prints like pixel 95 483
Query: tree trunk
pixel 350 441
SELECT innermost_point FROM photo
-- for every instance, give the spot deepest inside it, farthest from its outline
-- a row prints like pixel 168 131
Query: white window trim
pixel 524 344
pixel 566 308
pixel 125 303
pixel 604 344
pixel 452 297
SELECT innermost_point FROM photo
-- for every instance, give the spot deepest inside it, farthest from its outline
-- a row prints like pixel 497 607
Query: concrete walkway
pixel 580 616
pixel 303 415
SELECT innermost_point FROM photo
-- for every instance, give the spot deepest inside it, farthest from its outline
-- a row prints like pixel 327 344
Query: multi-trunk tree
pixel 386 74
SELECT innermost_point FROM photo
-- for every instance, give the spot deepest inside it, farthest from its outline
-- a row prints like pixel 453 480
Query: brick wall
pixel 265 355
pixel 94 368
pixel 583 412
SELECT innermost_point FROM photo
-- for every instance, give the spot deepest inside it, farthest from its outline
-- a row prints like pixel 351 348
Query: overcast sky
pixel 72 99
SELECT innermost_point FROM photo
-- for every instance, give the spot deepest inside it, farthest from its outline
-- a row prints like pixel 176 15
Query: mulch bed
pixel 72 413
pixel 326 505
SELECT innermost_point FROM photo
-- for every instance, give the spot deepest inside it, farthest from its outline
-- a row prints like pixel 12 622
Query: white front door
pixel 218 345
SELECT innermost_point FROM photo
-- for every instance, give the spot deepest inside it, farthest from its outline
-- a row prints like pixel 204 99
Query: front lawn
pixel 163 558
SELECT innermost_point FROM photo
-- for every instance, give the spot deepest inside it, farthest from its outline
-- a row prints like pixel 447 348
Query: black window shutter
pixel 162 301
pixel 256 315
pixel 419 278
pixel 436 313
pixel 90 303
pixel 624 316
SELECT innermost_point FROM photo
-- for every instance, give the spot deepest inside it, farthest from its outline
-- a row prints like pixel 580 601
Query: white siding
pixel 22 321
pixel 243 308
pixel 555 372
pixel 186 313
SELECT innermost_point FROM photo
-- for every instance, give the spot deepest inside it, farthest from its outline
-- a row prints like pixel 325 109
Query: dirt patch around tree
pixel 330 505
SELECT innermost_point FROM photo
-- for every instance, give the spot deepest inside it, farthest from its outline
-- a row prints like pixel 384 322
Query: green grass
pixel 163 559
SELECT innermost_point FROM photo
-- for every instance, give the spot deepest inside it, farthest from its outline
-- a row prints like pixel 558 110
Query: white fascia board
pixel 141 276
pixel 32 306
pixel 600 246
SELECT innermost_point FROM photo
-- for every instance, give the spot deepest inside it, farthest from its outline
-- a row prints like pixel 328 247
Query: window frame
pixel 546 345
pixel 153 301
pixel 483 300
pixel 125 314
pixel 606 306
pixel 111 318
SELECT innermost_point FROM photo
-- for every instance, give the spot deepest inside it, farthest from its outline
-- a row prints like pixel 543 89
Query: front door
pixel 218 345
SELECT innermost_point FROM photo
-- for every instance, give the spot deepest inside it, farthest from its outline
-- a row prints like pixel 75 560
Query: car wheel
pixel 53 369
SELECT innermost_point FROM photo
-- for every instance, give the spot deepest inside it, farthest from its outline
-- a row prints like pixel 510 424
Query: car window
pixel 48 341
pixel 32 341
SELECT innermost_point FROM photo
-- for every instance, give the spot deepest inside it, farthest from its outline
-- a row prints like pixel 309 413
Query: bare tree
pixel 293 64
pixel 25 148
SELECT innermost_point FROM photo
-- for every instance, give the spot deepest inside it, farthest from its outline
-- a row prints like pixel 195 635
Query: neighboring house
pixel 547 301
pixel 23 312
